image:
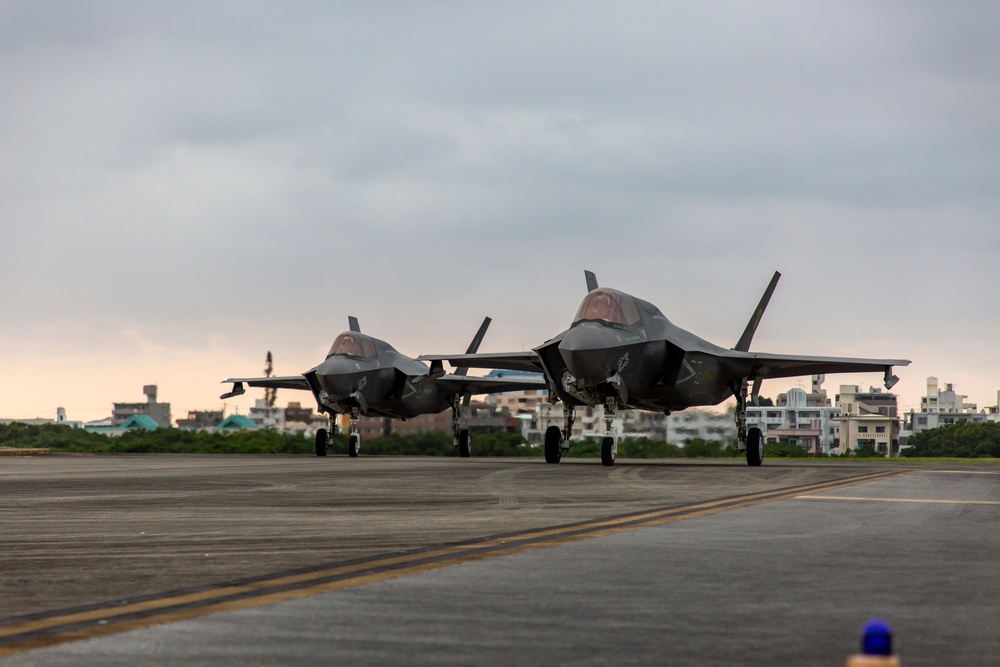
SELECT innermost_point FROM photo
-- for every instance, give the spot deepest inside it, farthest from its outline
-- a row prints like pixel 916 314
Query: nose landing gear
pixel 354 442
pixel 609 444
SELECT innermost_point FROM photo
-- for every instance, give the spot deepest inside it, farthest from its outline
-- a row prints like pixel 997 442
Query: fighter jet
pixel 622 353
pixel 362 375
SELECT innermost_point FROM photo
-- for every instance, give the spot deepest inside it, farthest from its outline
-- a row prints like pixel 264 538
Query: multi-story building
pixel 697 424
pixel 536 415
pixel 993 411
pixel 159 412
pixel 944 401
pixel 588 422
pixel 477 417
pixel 868 418
pixel 267 416
pixel 800 418
pixel 942 408
pixel 677 428
pixel 201 419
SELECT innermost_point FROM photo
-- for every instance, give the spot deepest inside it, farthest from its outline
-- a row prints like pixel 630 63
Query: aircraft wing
pixel 765 365
pixel 508 361
pixel 469 384
pixel 287 382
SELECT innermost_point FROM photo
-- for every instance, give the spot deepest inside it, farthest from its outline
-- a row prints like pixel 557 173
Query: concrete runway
pixel 383 561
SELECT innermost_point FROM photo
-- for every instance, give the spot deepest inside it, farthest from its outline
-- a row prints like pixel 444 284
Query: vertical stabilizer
pixel 474 345
pixel 591 280
pixel 744 343
pixel 352 324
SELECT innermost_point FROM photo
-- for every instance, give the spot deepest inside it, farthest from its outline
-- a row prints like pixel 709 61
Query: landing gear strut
pixel 609 444
pixel 460 436
pixel 751 440
pixel 556 440
pixel 354 441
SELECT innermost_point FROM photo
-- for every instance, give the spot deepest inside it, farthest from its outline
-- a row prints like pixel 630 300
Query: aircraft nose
pixel 583 350
pixel 336 375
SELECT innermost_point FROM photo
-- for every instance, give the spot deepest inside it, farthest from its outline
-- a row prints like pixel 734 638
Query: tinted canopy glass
pixel 353 344
pixel 608 305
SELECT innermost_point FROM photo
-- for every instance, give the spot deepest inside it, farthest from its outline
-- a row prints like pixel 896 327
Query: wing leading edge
pixel 287 382
pixel 763 365
pixel 468 384
pixel 507 361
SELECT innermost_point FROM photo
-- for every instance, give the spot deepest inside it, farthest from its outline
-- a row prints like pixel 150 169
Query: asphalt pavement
pixel 645 563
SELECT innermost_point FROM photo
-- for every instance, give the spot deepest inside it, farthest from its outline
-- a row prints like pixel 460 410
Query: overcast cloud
pixel 184 186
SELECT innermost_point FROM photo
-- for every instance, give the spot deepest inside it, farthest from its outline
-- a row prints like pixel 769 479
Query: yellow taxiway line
pixel 901 500
pixel 41 630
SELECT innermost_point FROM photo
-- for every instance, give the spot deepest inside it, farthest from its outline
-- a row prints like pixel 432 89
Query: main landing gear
pixel 461 437
pixel 751 440
pixel 556 440
pixel 323 440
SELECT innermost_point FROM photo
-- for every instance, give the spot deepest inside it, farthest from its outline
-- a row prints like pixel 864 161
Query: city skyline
pixel 186 187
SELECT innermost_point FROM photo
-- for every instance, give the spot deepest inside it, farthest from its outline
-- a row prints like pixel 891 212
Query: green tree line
pixel 961 440
pixel 60 438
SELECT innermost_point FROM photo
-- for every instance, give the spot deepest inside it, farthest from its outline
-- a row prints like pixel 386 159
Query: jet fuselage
pixel 639 364
pixel 381 383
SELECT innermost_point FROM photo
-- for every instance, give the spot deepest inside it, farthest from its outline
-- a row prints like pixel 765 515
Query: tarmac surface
pixel 211 560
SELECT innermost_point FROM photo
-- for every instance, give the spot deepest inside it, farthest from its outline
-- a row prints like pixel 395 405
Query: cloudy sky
pixel 187 185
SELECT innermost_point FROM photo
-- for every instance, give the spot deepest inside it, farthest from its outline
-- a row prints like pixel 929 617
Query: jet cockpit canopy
pixel 608 305
pixel 353 344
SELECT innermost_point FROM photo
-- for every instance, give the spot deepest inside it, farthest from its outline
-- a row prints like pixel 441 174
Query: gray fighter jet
pixel 363 375
pixel 622 353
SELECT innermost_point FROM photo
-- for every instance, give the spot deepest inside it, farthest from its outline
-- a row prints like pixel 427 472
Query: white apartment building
pixel 941 408
pixel 947 400
pixel 698 424
pixel 675 428
pixel 588 422
pixel 806 420
pixel 270 417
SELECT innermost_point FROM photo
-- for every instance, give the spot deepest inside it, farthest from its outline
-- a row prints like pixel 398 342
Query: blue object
pixel 876 638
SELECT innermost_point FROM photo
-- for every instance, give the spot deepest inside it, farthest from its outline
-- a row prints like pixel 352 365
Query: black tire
pixel 353 445
pixel 553 444
pixel 755 447
pixel 608 451
pixel 464 444
pixel 321 442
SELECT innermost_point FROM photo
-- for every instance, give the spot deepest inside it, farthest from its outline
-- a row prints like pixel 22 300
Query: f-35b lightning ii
pixel 621 352
pixel 363 375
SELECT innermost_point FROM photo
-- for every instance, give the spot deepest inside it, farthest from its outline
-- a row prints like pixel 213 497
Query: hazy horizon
pixel 187 186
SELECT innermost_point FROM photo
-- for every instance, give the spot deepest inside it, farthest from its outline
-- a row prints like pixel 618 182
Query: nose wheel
pixel 354 442
pixel 609 450
pixel 609 444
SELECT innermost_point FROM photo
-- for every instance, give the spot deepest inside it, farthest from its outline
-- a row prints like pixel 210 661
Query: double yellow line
pixel 38 631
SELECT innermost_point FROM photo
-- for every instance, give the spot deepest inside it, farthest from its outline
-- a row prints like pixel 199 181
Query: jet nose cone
pixel 584 351
pixel 336 375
